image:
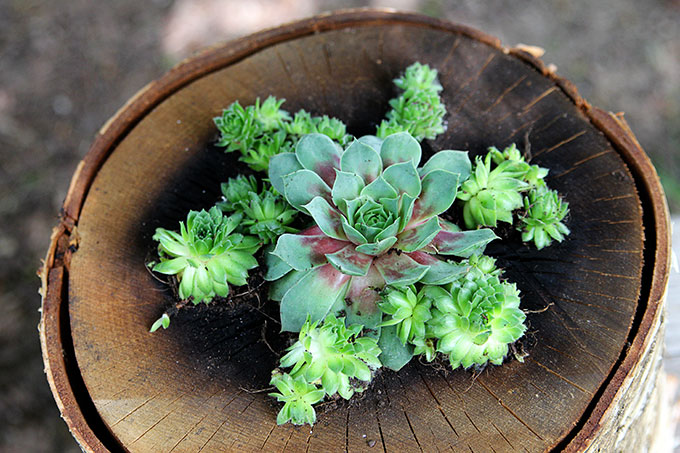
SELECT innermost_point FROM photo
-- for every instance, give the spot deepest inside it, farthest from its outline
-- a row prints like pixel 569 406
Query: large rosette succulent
pixel 376 223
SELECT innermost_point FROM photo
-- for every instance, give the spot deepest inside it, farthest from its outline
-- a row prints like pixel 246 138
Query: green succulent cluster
pixel 329 358
pixel 494 192
pixel 265 213
pixel 206 255
pixel 298 396
pixel 542 221
pixel 475 320
pixel 418 110
pixel 472 320
pixel 408 310
pixel 263 130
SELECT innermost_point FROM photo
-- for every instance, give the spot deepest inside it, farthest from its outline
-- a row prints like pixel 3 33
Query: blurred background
pixel 68 65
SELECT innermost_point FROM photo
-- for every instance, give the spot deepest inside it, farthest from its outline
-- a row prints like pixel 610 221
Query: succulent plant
pixel 490 196
pixel 408 310
pixel 333 356
pixel 263 130
pixel 418 109
pixel 298 396
pixel 236 191
pixel 266 214
pixel 376 223
pixel 542 222
pixel 206 254
pixel 475 320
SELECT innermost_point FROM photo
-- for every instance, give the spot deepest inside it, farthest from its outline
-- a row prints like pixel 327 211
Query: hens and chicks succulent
pixel 367 270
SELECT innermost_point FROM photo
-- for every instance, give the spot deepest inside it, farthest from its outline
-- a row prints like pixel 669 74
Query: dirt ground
pixel 66 66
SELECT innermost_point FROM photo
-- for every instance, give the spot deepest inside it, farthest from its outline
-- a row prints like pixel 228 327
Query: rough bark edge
pixel 657 222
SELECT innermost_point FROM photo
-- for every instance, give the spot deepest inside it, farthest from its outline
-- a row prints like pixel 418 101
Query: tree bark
pixel 595 300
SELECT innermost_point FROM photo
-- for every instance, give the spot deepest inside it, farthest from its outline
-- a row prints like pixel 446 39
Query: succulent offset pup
pixel 376 223
pixel 206 255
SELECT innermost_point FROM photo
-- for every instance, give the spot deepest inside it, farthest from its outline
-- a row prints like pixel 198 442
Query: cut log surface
pixel 194 386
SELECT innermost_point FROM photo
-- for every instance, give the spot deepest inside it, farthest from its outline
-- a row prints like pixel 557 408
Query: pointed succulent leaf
pixel 378 189
pixel 347 186
pixel 302 186
pixel 172 266
pixel 276 267
pixel 440 272
pixel 394 354
pixel 302 252
pixel 399 269
pixel 350 261
pixel 377 248
pixel 404 177
pixel 400 147
pixel 449 160
pixel 326 218
pixel 352 234
pixel 418 236
pixel 281 165
pixel 439 192
pixel 362 160
pixel 372 141
pixel 318 153
pixel 451 241
pixel 313 295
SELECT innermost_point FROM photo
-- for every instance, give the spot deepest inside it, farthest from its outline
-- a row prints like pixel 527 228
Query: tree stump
pixel 595 300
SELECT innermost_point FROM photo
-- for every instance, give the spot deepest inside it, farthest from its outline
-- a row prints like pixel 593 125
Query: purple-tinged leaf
pixel 281 165
pixel 362 300
pixel 320 154
pixel 326 218
pixel 313 295
pixel 404 177
pixel 451 241
pixel 362 160
pixel 438 194
pixel 302 252
pixel 349 261
pixel 400 147
pixel 399 269
pixel 454 161
pixel 302 186
pixel 441 272
pixel 377 248
pixel 418 236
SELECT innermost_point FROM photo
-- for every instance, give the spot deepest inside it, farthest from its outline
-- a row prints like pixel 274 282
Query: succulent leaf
pixel 314 295
pixel 394 353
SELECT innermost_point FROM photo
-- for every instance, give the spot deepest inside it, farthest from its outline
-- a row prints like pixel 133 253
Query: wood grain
pixel 191 388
